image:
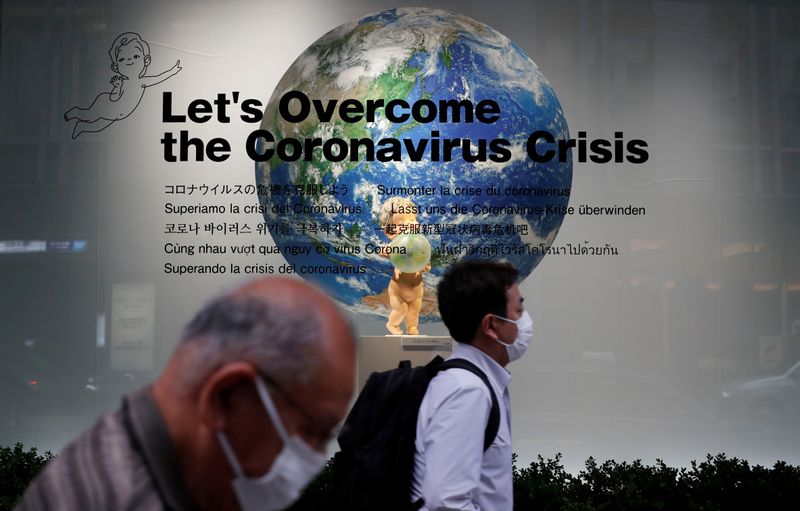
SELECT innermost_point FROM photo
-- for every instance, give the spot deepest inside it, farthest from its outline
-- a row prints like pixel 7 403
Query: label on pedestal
pixel 425 342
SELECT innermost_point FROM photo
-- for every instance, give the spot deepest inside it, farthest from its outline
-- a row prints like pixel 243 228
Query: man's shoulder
pixel 459 376
pixel 99 470
pixel 456 381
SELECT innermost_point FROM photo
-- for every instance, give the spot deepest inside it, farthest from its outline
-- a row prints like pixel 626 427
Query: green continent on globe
pixel 413 54
pixel 409 252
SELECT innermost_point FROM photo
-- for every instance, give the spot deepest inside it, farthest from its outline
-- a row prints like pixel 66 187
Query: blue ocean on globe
pixel 324 215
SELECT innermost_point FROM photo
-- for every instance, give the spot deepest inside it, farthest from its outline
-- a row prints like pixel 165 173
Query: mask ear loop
pixel 515 321
pixel 273 414
pixel 228 450
pixel 271 410
pixel 510 321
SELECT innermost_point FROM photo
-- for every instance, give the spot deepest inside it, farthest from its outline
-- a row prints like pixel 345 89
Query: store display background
pixel 705 282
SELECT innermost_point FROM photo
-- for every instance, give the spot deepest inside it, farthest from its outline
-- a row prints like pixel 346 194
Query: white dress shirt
pixel 451 469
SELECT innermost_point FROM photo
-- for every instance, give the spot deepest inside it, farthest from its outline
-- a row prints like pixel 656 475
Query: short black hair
pixel 471 289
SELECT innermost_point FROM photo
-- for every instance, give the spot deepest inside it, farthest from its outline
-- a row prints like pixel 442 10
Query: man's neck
pixel 492 349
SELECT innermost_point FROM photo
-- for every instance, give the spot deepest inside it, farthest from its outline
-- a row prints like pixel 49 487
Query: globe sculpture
pixel 409 252
pixel 323 214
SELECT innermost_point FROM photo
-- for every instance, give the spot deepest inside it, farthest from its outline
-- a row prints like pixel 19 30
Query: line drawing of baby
pixel 130 56
pixel 405 290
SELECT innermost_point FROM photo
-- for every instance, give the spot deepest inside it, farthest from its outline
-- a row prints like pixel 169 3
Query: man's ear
pixel 147 60
pixel 486 326
pixel 222 391
pixel 115 67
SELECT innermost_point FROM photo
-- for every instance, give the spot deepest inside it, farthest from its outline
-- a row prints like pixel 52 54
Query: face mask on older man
pixel 295 466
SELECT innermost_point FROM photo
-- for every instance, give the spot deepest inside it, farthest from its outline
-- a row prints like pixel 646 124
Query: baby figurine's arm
pixel 149 81
pixel 426 268
pixel 116 92
pixel 385 251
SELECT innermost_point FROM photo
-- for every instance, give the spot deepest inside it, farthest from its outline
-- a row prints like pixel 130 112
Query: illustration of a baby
pixel 397 216
pixel 130 56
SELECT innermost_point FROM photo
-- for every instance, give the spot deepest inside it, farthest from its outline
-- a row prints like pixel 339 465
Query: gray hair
pixel 390 207
pixel 282 342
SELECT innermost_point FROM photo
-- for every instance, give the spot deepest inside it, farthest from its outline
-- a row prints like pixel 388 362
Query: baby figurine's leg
pixel 412 319
pixel 72 113
pixel 91 127
pixel 398 313
pixel 101 108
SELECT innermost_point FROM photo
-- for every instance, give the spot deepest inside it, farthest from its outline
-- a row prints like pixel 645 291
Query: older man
pixel 240 418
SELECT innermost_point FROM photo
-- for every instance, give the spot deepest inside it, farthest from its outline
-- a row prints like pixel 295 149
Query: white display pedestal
pixel 383 352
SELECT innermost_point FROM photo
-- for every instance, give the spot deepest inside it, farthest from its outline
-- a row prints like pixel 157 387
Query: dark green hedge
pixel 718 483
pixel 18 467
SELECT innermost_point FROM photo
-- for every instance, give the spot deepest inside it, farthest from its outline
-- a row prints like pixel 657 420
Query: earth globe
pixel 323 214
pixel 410 252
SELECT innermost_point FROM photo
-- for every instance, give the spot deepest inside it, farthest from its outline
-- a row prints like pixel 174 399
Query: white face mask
pixel 524 335
pixel 295 466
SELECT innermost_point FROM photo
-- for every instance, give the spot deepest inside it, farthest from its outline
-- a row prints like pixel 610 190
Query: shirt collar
pixel 496 373
pixel 150 434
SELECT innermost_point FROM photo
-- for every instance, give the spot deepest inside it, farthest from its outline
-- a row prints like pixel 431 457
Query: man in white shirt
pixel 481 306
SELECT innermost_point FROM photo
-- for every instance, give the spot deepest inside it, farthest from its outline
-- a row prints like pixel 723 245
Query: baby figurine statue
pixel 398 217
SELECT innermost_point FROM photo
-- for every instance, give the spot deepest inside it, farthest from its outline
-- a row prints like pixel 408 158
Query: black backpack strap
pixel 493 425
